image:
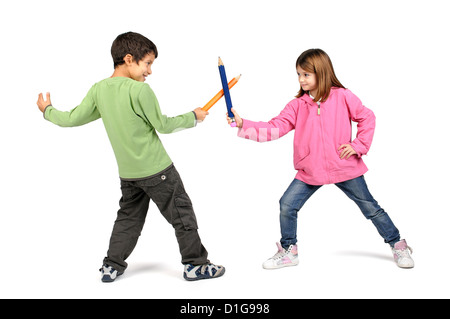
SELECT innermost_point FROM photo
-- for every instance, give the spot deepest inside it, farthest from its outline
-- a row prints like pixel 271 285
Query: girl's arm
pixel 267 131
pixel 366 124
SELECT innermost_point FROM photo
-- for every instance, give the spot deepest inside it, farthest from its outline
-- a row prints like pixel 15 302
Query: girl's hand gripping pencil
pixel 226 92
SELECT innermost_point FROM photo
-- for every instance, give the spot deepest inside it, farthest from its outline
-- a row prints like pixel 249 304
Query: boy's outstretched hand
pixel 200 114
pixel 237 119
pixel 41 103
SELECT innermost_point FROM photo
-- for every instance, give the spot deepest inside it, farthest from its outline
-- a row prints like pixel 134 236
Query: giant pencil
pixel 219 95
pixel 226 91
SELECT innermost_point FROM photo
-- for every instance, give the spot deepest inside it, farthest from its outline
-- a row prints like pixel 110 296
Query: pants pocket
pixel 185 211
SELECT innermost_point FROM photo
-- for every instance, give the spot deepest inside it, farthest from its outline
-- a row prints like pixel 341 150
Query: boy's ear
pixel 128 59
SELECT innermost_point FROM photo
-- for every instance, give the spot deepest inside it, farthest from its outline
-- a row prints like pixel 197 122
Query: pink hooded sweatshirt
pixel 319 131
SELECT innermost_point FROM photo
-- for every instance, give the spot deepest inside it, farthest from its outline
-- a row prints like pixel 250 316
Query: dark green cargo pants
pixel 167 192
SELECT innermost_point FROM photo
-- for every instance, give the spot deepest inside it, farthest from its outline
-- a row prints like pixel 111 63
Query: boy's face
pixel 139 71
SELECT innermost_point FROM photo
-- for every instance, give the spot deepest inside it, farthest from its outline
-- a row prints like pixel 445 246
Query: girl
pixel 323 153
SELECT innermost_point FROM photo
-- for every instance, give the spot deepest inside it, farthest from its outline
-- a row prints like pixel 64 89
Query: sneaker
pixel 205 271
pixel 283 258
pixel 109 274
pixel 401 254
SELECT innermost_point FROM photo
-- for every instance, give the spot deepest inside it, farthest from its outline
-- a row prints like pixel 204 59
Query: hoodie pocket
pixel 185 211
pixel 339 163
pixel 302 160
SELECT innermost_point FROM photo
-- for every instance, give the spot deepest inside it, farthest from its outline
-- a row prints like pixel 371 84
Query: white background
pixel 60 188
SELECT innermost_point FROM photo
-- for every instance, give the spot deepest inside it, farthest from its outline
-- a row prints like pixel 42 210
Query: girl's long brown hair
pixel 318 62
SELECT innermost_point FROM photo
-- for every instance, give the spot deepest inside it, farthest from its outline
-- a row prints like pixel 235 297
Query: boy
pixel 131 116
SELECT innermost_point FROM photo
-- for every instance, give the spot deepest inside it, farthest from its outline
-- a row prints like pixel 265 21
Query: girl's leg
pixel 356 189
pixel 293 199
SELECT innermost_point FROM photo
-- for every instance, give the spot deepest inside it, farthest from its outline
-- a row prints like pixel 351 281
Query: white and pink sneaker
pixel 401 254
pixel 283 258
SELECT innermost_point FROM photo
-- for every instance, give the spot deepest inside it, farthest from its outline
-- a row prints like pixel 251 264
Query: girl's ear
pixel 128 59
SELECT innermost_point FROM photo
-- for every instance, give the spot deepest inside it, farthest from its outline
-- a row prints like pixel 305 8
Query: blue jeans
pixel 356 189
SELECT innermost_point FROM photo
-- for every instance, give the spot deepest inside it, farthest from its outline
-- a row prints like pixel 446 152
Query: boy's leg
pixel 356 189
pixel 167 191
pixel 293 199
pixel 128 225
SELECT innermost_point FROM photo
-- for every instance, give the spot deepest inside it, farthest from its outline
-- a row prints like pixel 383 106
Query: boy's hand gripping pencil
pixel 226 92
pixel 219 95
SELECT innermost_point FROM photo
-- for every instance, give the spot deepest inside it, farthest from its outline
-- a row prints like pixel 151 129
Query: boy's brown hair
pixel 131 43
pixel 318 62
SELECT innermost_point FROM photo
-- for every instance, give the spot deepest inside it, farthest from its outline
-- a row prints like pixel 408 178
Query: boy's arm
pixel 82 114
pixel 151 112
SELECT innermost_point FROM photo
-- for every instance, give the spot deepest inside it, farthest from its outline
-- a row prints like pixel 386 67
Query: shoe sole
pixel 281 266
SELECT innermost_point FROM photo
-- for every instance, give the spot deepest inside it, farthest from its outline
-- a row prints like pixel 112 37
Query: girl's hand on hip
pixel 346 151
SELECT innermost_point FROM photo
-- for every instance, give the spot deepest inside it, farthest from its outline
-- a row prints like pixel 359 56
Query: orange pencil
pixel 220 94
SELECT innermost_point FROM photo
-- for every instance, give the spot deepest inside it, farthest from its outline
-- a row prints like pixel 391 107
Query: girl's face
pixel 308 81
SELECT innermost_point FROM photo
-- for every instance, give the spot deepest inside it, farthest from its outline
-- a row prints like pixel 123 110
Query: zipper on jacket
pixel 326 166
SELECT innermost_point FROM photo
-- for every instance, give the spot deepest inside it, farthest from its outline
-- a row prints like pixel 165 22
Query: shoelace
pixel 282 253
pixel 210 268
pixel 203 269
pixel 404 252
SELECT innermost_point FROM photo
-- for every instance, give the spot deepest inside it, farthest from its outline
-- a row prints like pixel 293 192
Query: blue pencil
pixel 226 91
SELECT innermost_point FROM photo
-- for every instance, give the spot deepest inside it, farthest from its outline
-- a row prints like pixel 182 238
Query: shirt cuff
pixel 195 118
pixel 43 113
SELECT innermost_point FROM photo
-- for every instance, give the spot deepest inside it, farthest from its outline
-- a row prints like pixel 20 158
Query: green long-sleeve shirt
pixel 131 116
